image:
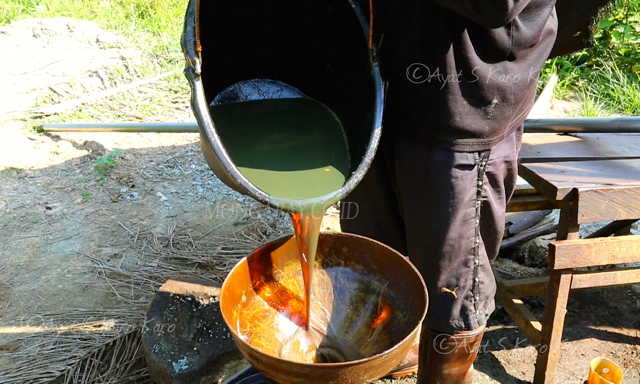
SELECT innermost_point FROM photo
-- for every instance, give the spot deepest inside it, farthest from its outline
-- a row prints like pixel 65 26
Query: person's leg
pixel 453 206
pixel 501 177
pixel 371 209
pixel 438 193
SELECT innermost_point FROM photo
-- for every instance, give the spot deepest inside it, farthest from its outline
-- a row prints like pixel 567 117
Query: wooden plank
pixel 562 177
pixel 530 202
pixel 541 148
pixel 568 227
pixel 604 204
pixel 527 235
pixel 545 187
pixel 594 252
pixel 524 221
pixel 624 231
pixel 612 228
pixel 524 189
pixel 552 327
pixel 521 315
pixel 537 286
pixel 609 278
pixel 532 286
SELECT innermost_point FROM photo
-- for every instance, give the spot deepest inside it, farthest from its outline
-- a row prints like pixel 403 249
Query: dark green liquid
pixel 295 150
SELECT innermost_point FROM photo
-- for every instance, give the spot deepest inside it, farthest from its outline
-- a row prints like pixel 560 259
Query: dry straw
pixel 104 345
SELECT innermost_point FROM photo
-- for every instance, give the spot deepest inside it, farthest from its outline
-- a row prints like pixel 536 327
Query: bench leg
pixel 552 326
pixel 568 227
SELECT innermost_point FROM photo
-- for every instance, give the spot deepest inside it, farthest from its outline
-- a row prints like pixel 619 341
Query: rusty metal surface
pixel 354 252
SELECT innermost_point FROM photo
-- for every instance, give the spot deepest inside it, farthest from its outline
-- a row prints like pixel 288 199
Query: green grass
pixel 602 88
pixel 105 164
pixel 4 171
pixel 154 27
pixel 604 79
pixel 60 173
pixel 86 196
pixel 155 23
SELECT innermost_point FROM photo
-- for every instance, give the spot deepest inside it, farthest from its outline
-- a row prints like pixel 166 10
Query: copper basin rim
pixel 402 278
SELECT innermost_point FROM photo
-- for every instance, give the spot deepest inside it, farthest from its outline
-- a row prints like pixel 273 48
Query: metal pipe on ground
pixel 122 127
pixel 628 124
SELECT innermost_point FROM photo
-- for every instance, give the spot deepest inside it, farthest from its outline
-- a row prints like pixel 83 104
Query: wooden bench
pixel 590 178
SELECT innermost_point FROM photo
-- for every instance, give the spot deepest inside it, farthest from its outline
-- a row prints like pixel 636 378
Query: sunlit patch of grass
pixel 152 27
pixel 605 77
pixel 157 23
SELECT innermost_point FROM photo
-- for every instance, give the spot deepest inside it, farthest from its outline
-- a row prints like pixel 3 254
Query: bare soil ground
pixel 63 225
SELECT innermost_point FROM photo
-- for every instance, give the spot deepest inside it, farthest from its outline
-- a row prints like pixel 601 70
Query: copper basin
pixel 374 265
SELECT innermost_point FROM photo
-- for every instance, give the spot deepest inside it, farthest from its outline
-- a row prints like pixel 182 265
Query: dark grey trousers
pixel 445 210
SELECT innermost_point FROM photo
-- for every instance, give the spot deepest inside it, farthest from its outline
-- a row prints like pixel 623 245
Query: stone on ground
pixel 185 338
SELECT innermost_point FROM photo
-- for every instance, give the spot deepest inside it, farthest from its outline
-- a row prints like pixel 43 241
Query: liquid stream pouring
pixel 289 110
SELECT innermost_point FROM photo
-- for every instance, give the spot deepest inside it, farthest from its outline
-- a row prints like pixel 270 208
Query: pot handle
pixel 191 38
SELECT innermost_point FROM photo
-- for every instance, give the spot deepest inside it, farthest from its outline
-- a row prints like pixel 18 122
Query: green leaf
pixel 116 152
pixel 104 160
pixel 617 36
pixel 606 23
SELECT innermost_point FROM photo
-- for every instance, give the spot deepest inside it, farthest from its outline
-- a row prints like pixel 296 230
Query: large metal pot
pixel 319 47
pixel 378 263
